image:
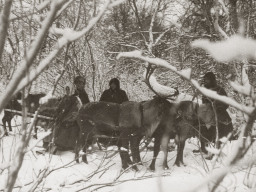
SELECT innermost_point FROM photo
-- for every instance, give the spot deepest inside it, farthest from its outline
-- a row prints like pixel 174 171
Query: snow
pixel 246 90
pixel 75 176
pixel 46 98
pixel 186 73
pixel 234 48
pixel 79 176
pixel 213 150
pixel 187 97
pixel 214 95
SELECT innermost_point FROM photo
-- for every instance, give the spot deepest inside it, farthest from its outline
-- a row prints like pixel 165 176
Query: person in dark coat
pixel 114 94
pixel 220 107
pixel 224 121
pixel 79 82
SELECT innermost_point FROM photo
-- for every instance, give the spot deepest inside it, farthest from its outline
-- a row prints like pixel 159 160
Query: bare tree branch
pixel 203 90
pixel 68 36
pixel 4 23
pixel 31 55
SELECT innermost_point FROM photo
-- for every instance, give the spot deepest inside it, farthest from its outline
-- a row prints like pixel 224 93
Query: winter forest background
pixel 44 44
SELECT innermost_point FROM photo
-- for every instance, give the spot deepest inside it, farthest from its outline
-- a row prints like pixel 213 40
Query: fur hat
pixel 116 82
pixel 210 76
pixel 79 78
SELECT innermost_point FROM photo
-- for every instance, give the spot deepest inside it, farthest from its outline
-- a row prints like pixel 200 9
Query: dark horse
pixel 65 127
pixel 191 120
pixel 32 103
pixel 127 123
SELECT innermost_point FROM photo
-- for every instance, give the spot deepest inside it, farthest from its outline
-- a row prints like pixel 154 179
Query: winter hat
pixel 79 78
pixel 116 82
pixel 211 76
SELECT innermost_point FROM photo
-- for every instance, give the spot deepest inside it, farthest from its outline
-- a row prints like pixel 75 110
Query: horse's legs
pixel 124 138
pixel 125 155
pixel 164 145
pixel 9 120
pixel 134 143
pixel 181 144
pixel 35 127
pixel 203 146
pixel 156 151
pixel 79 145
pixel 4 120
pixel 9 123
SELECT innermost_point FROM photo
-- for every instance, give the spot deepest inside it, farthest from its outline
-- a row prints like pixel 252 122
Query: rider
pixel 79 82
pixel 114 94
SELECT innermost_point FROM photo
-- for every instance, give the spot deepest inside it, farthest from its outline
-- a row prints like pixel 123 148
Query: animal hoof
pixel 180 164
pixel 151 169
pixel 40 152
pixel 35 136
pixel 6 134
pixel 53 150
pixel 130 162
pixel 196 151
pixel 84 159
pixel 166 167
pixel 209 157
pixel 124 169
pixel 138 163
pixel 135 168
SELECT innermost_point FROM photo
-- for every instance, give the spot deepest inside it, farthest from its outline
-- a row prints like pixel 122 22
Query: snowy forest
pixel 60 131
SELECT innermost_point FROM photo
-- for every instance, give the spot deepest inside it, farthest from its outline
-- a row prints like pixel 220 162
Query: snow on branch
pixel 31 54
pixel 234 48
pixel 246 90
pixel 68 35
pixel 209 93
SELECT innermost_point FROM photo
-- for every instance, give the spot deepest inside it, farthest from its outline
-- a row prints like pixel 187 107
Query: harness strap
pixel 29 114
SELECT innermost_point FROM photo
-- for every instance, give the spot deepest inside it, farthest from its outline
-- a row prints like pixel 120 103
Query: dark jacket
pixel 114 96
pixel 82 95
pixel 220 107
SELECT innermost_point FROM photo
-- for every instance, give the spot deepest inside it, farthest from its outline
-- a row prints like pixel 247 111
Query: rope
pixel 29 114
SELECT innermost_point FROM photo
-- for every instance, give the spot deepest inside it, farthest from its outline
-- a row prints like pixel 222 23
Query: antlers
pixel 160 90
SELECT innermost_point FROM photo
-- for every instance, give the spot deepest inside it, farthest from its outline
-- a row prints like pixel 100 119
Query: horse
pixel 127 123
pixel 31 101
pixel 193 120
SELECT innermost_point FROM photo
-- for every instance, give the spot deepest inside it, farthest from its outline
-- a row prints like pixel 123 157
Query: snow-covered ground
pixel 106 175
